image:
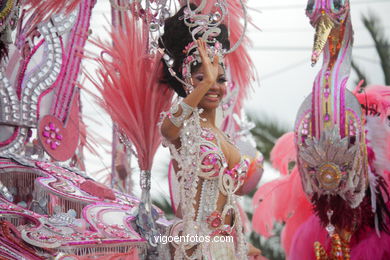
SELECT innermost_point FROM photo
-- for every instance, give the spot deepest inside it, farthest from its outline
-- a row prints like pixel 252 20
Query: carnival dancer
pixel 209 168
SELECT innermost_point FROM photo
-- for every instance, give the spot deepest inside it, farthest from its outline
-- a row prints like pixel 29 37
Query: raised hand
pixel 210 69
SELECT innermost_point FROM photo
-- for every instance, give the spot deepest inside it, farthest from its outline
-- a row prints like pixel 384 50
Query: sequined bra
pixel 213 161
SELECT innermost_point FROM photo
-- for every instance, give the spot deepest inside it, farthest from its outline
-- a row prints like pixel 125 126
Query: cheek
pixel 224 90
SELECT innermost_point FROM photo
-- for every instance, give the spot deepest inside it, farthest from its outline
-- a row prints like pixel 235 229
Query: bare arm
pixel 168 129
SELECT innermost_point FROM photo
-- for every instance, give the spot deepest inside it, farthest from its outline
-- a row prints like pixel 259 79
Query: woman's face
pixel 213 97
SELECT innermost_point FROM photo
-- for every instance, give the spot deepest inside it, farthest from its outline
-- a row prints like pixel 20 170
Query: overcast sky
pixel 281 54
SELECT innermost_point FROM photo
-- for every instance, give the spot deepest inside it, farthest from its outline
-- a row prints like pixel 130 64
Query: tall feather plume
pixel 239 62
pixel 130 88
pixel 42 10
pixel 284 152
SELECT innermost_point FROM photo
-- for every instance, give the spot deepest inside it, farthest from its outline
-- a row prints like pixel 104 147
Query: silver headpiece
pixel 205 26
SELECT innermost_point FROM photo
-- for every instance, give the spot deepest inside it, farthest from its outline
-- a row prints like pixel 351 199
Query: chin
pixel 209 105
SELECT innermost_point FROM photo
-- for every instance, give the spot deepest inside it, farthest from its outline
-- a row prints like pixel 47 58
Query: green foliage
pixel 266 132
pixel 270 247
pixel 382 46
pixel 165 206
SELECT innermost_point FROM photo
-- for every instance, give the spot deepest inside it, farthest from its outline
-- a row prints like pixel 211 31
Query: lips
pixel 213 97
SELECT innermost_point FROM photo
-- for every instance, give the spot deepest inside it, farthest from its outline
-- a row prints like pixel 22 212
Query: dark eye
pixel 199 77
pixel 222 80
pixel 310 6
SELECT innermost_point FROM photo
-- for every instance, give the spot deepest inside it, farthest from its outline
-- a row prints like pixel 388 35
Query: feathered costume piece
pixel 42 10
pixel 303 228
pixel 375 102
pixel 282 200
pixel 342 158
pixel 132 95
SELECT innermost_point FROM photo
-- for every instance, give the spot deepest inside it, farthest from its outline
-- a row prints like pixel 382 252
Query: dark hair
pixel 176 37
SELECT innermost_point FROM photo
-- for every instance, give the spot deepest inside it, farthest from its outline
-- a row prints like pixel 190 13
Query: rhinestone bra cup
pixel 213 161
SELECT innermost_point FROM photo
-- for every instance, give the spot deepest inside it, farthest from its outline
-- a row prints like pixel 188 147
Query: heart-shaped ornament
pixel 60 141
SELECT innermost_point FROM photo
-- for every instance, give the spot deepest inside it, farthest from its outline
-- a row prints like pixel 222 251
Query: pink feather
pixel 299 214
pixel 283 153
pixel 265 205
pixel 370 246
pixel 310 231
pixel 129 85
pixel 42 10
pixel 366 245
pixel 375 95
pixel 239 62
pixel 378 130
pixel 281 200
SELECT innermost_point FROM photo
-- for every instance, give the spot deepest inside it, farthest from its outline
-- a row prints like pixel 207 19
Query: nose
pixel 219 88
pixel 215 86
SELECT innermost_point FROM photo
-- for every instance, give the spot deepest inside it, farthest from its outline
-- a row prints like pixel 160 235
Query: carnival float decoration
pixel 50 207
pixel 338 193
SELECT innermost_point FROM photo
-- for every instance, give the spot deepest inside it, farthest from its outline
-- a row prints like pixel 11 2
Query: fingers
pixel 202 49
pixel 216 61
pixel 210 67
pixel 203 52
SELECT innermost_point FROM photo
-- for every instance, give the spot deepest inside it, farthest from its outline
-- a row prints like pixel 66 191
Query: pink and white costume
pixel 201 161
